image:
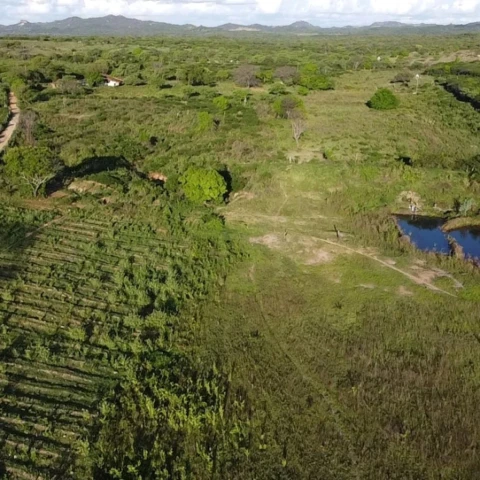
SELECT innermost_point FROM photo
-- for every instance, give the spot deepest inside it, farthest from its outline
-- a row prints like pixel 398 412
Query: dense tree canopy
pixel 202 185
pixel 32 166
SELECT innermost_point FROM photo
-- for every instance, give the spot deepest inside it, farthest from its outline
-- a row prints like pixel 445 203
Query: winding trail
pixel 413 278
pixel 7 133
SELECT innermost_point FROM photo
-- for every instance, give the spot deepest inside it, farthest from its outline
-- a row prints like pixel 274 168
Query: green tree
pixel 195 75
pixel 33 77
pixel 266 76
pixel 69 85
pixel 134 80
pixel 285 107
pixel 222 104
pixel 311 78
pixel 278 89
pixel 94 78
pixel 383 99
pixel 241 96
pixel 223 75
pixel 204 121
pixel 203 185
pixel 32 166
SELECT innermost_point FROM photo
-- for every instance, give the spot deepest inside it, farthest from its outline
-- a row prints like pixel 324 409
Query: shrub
pixel 203 185
pixel 285 106
pixel 277 89
pixel 383 99
pixel 403 77
pixel 303 91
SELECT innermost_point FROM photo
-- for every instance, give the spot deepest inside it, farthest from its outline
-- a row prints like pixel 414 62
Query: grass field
pixel 360 339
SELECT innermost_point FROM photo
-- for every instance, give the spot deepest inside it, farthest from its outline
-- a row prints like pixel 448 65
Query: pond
pixel 427 235
pixel 469 240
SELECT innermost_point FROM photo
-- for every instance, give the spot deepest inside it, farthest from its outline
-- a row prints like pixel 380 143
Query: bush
pixel 278 89
pixel 403 78
pixel 203 185
pixel 285 106
pixel 303 91
pixel 383 99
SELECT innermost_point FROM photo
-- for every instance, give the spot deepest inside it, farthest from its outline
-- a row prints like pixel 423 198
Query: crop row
pixel 61 312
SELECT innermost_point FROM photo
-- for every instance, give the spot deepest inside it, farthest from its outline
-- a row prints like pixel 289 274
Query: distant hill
pixel 112 25
pixel 388 25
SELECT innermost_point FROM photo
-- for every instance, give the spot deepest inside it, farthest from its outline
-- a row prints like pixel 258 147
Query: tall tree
pixel 288 75
pixel 32 166
pixel 299 127
pixel 246 76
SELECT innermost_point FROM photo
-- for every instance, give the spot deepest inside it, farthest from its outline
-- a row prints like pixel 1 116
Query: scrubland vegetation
pixel 200 275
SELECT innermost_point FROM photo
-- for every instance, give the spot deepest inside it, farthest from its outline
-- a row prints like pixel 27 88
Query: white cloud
pixel 211 12
pixel 269 6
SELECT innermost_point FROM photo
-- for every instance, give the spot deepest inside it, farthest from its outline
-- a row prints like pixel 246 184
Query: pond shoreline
pixel 440 236
pixel 459 223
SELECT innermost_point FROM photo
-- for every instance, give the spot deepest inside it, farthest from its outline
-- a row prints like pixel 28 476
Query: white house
pixel 112 81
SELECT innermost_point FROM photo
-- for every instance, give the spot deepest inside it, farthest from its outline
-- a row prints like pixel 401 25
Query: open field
pixel 267 321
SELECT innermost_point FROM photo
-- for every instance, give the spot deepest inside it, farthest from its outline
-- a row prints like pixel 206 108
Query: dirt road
pixel 12 124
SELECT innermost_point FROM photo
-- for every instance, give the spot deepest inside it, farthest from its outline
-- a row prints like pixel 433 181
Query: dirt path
pixel 413 278
pixel 6 135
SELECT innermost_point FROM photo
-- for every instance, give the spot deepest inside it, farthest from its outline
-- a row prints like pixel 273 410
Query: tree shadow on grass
pixel 88 166
pixel 16 236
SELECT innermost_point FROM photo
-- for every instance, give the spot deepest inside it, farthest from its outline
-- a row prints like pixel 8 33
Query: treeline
pixel 157 62
pixel 79 78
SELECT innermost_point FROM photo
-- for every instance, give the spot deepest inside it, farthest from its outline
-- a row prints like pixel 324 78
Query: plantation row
pixel 80 299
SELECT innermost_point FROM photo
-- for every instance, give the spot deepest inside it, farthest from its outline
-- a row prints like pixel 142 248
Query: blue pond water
pixel 427 235
pixel 469 239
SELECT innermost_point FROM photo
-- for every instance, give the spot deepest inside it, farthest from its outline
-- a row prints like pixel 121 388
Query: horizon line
pixel 145 18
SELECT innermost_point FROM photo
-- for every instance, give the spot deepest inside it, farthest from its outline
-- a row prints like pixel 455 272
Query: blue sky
pixel 271 12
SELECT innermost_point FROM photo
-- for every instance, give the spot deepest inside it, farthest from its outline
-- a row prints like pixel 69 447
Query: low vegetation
pixel 384 99
pixel 200 276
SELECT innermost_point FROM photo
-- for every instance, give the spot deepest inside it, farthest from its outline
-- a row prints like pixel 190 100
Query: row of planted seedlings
pixel 98 292
pixel 43 288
